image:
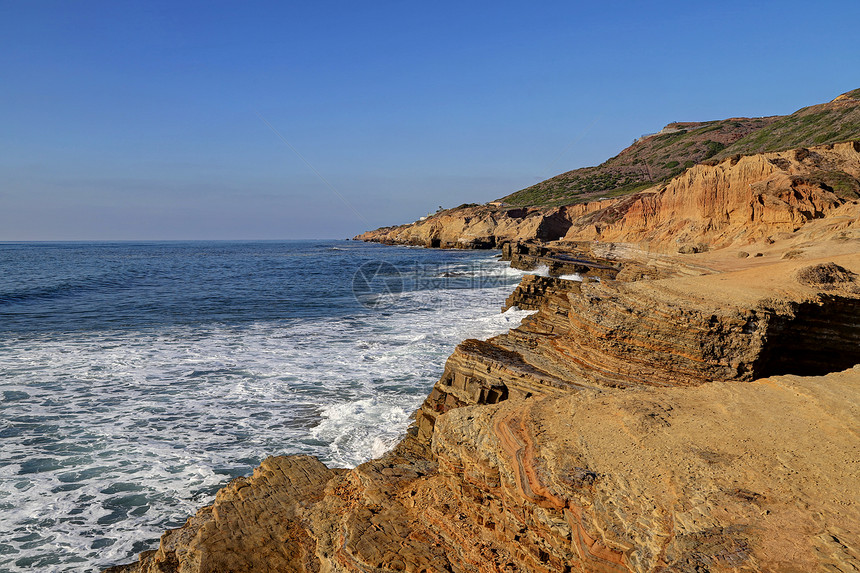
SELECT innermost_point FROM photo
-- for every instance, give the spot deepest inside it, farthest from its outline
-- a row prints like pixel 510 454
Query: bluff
pixel 695 423
pixel 736 201
pixel 658 157
pixel 477 227
pixel 692 404
pixel 776 173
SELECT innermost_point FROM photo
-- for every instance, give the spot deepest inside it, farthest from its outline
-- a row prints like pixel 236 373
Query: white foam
pixel 176 412
pixel 572 277
pixel 540 270
pixel 363 429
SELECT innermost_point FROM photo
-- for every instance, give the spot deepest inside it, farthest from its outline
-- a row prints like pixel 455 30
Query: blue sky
pixel 141 120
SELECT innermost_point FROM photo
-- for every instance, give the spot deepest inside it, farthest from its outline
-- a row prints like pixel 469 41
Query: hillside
pixel 832 122
pixel 683 398
pixel 737 201
pixel 659 157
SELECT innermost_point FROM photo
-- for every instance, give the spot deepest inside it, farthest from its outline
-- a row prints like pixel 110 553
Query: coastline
pixel 664 408
pixel 161 409
pixel 491 475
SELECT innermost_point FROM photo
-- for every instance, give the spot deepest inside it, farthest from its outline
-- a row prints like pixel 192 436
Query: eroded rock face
pixel 476 227
pixel 692 330
pixel 255 524
pixel 736 201
pixel 480 372
pixel 622 427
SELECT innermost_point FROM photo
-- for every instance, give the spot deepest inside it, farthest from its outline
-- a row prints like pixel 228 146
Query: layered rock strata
pixel 684 479
pixel 736 201
pixel 476 227
pixel 733 202
pixel 530 255
pixel 621 427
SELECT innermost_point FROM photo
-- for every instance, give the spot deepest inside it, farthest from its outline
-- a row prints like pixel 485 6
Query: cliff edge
pixel 696 423
pixel 691 405
pixel 737 201
pixel 774 173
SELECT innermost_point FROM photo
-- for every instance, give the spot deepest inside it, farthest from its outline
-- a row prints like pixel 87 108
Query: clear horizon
pixel 269 121
pixel 110 241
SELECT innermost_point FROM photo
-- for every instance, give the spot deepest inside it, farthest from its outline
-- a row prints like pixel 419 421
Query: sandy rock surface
pixel 693 404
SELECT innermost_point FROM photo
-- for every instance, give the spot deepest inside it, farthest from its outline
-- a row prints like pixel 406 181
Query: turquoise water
pixel 137 379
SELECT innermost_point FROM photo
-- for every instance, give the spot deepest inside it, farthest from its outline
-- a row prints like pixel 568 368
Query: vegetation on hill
pixel 853 94
pixel 815 125
pixel 659 157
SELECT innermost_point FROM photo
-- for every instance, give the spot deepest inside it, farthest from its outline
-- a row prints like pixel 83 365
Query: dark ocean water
pixel 138 378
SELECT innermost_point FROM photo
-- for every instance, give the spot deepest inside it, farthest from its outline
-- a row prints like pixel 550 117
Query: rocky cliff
pixel 690 403
pixel 625 426
pixel 476 227
pixel 738 201
pixel 734 202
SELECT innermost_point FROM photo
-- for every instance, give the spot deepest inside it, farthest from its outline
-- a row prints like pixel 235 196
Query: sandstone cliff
pixel 734 202
pixel 691 405
pixel 642 426
pixel 476 227
pixel 737 201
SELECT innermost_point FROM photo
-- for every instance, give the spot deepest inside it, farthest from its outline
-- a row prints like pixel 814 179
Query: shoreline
pixel 172 412
pixel 488 398
pixel 666 413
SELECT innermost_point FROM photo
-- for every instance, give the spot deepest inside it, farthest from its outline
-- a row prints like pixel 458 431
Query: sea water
pixel 138 378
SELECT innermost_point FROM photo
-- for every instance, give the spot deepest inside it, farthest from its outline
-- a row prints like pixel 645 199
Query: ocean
pixel 136 379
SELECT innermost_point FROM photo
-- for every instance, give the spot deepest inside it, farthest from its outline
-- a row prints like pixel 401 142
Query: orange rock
pixel 623 427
